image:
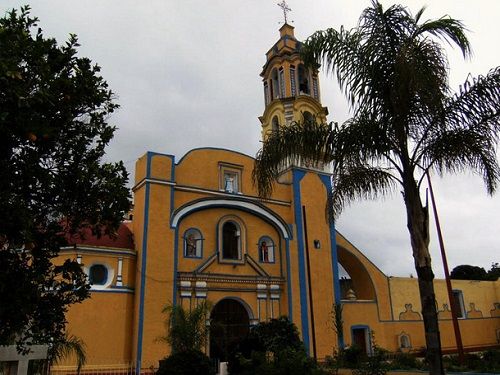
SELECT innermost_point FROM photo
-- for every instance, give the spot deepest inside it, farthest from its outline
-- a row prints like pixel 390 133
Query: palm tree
pixel 405 124
pixel 65 347
pixel 186 330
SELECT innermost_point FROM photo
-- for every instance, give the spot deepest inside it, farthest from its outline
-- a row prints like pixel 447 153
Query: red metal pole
pixel 456 327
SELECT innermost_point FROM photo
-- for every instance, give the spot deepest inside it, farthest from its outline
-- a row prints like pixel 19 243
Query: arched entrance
pixel 229 322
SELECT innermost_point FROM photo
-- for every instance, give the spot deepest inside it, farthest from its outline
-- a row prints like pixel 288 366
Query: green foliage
pixel 494 272
pixel 54 108
pixel 186 330
pixel 404 361
pixel 277 334
pixel 375 364
pixel 352 356
pixel 337 320
pixel 67 346
pixel 468 272
pixel 187 362
pixel 272 348
pixel 485 362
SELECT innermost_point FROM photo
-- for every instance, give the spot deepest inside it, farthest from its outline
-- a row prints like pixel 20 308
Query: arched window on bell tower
pixel 267 98
pixel 304 84
pixel 275 124
pixel 275 87
pixel 308 117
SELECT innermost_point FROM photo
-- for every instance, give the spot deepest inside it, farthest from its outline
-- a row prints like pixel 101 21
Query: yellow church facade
pixel 200 232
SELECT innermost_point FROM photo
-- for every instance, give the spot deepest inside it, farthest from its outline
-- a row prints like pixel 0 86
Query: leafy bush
pixel 186 363
pixel 272 348
pixel 404 361
pixel 488 361
pixel 375 364
pixel 352 356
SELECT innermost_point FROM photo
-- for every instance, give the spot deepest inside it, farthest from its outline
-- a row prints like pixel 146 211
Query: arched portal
pixel 229 323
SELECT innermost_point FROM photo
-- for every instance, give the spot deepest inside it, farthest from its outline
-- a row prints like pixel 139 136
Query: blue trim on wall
pixel 297 205
pixel 172 190
pixel 327 181
pixel 289 279
pixel 176 260
pixel 143 267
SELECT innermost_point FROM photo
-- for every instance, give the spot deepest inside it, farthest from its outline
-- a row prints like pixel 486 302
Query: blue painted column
pixel 327 181
pixel 299 224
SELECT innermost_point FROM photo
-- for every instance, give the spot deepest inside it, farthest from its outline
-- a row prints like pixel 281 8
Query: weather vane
pixel 284 6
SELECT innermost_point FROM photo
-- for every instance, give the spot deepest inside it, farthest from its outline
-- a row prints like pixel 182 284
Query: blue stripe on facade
pixel 297 205
pixel 172 190
pixel 176 259
pixel 289 280
pixel 176 234
pixel 140 327
pixel 335 263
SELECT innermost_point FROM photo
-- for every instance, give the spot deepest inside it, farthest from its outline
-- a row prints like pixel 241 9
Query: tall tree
pixel 468 272
pixel 54 108
pixel 406 123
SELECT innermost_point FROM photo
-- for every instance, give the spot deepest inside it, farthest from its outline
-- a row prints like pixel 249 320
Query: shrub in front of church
pixel 186 335
pixel 272 347
pixel 186 363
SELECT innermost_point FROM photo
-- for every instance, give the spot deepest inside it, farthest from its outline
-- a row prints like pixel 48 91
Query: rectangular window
pixel 458 303
pixel 315 88
pixel 266 94
pixel 230 178
pixel 292 81
pixel 282 83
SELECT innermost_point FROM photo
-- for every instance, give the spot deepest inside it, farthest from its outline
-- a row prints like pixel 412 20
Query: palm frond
pixel 67 346
pixel 293 144
pixel 477 104
pixel 360 181
pixel 337 51
pixel 448 29
pixel 186 330
pixel 457 150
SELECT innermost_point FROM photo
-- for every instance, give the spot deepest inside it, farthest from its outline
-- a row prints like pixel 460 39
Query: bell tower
pixel 291 91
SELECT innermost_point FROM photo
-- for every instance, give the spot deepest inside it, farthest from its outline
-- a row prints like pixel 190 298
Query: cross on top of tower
pixel 284 6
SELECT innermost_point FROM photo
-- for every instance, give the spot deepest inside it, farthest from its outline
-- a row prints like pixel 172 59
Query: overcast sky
pixel 186 74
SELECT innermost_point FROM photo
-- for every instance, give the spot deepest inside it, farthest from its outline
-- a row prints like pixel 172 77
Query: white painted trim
pixel 152 181
pixel 217 202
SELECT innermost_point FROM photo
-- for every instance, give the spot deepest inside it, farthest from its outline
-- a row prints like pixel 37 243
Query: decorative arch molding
pixel 238 204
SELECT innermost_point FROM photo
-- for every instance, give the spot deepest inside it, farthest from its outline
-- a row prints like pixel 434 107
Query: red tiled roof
pixel 123 240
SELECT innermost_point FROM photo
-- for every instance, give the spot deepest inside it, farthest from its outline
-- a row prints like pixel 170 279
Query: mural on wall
pixel 473 312
pixel 409 314
pixel 445 313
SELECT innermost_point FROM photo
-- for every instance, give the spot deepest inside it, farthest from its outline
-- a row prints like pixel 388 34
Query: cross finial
pixel 284 6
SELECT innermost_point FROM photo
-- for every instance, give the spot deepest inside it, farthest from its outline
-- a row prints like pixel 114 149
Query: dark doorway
pixel 361 339
pixel 229 323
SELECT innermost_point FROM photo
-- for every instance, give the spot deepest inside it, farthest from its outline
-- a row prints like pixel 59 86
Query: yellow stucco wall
pixel 379 303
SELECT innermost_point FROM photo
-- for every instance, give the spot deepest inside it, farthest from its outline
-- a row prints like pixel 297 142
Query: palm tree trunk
pixel 418 226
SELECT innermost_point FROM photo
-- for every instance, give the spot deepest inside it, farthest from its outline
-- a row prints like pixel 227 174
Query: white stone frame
pixel 109 281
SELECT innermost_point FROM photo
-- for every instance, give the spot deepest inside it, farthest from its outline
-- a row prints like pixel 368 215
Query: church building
pixel 200 232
